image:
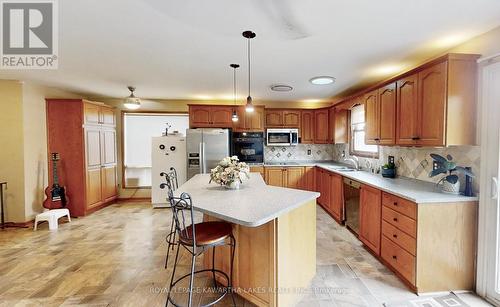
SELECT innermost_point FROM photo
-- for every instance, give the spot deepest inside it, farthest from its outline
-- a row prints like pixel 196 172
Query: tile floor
pixel 115 257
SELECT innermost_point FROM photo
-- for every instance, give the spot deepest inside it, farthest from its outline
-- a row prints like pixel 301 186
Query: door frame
pixel 486 206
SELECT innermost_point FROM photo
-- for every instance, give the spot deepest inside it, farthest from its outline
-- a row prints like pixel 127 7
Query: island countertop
pixel 254 204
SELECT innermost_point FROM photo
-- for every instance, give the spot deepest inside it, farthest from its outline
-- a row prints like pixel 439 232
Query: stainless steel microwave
pixel 282 137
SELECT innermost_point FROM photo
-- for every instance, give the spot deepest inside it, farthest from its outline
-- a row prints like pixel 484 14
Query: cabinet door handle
pixel 395 219
pixel 377 139
pixel 415 138
pixel 395 203
pixel 394 235
pixel 394 257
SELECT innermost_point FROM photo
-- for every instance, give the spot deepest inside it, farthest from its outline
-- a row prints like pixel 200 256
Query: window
pixel 138 129
pixel 357 144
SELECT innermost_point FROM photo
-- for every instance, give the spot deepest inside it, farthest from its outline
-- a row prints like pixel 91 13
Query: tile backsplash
pixel 411 162
pixel 299 152
pixel 416 163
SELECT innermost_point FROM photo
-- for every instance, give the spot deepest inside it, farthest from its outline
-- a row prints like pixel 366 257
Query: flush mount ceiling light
pixel 132 102
pixel 281 88
pixel 322 80
pixel 234 117
pixel 249 35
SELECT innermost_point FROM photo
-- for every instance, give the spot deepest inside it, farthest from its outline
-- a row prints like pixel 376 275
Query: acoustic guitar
pixel 56 197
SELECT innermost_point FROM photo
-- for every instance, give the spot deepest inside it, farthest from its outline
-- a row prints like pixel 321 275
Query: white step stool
pixel 52 216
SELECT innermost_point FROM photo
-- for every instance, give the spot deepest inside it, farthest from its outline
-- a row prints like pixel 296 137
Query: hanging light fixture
pixel 249 35
pixel 234 117
pixel 132 102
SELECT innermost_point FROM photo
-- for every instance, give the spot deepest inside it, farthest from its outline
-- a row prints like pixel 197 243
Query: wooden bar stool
pixel 170 238
pixel 198 238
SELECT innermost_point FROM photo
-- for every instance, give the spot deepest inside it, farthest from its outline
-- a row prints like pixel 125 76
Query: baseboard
pixel 134 200
pixel 27 224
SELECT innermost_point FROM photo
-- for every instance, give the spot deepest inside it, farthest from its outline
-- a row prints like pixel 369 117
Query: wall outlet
pixel 391 159
pixel 434 165
pixel 308 152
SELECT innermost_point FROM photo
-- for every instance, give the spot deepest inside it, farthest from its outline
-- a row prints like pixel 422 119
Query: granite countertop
pixel 254 204
pixel 418 191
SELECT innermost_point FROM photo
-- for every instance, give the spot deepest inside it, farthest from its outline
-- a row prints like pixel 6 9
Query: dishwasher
pixel 351 204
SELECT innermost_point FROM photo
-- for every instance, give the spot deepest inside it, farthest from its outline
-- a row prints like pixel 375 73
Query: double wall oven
pixel 248 146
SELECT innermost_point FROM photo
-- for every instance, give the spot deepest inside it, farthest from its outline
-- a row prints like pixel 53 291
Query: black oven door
pixel 249 148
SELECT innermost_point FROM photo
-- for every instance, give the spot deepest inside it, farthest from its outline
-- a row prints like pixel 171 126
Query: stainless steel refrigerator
pixel 205 148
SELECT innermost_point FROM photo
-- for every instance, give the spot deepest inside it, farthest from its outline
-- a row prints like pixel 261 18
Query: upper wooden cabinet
pixel 282 118
pixel 249 121
pixel 407 126
pixel 387 114
pixel 380 115
pixel 98 114
pixel 331 125
pixel 307 127
pixel 203 116
pixel 341 130
pixel 436 105
pixel 372 118
pixel 321 126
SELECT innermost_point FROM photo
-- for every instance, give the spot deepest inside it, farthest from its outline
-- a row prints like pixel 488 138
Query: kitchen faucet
pixel 354 161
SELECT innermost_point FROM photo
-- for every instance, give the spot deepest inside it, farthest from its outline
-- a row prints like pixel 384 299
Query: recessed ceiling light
pixel 322 80
pixel 281 88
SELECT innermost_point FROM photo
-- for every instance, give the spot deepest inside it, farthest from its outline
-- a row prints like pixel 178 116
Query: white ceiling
pixel 182 49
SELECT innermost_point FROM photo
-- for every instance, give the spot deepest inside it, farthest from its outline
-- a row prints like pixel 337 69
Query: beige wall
pixel 11 148
pixel 35 144
pixel 23 154
pixel 487 44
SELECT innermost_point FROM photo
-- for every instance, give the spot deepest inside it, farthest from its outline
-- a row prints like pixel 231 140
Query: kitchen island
pixel 275 232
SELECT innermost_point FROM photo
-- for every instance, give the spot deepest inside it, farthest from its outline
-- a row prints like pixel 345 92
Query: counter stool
pixel 170 238
pixel 197 239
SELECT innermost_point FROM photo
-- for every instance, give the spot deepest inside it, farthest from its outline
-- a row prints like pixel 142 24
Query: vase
pixel 235 185
pixel 451 188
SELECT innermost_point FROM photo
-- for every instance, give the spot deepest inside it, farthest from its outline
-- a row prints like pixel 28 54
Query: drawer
pixel 402 222
pixel 400 205
pixel 399 237
pixel 400 260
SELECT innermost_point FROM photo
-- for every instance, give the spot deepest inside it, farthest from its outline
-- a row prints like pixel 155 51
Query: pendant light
pixel 132 102
pixel 249 35
pixel 234 117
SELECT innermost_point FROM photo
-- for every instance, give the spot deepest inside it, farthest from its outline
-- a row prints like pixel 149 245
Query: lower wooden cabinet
pixel 274 176
pixel 370 210
pixel 309 178
pixel 287 177
pixel 337 197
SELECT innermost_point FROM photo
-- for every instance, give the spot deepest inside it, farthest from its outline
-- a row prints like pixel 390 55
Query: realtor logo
pixel 28 34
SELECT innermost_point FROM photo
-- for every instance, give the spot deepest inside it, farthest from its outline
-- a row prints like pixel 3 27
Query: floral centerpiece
pixel 230 172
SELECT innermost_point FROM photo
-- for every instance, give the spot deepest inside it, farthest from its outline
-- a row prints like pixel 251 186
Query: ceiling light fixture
pixel 281 88
pixel 249 35
pixel 322 80
pixel 132 102
pixel 234 117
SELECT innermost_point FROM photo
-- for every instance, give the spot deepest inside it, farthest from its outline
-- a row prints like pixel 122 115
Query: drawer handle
pixel 395 235
pixel 395 219
pixel 394 257
pixel 395 203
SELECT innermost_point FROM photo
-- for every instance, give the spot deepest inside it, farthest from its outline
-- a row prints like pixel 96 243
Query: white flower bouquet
pixel 230 172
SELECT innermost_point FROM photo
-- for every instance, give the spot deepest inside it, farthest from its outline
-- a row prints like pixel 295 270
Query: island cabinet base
pixel 274 263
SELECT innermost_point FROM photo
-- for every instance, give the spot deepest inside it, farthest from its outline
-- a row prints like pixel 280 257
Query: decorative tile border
pixel 299 152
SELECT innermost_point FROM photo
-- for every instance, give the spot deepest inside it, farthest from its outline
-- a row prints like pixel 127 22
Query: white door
pixel 489 222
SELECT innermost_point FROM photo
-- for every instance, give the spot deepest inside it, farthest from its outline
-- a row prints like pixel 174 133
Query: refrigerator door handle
pixel 204 170
pixel 200 150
